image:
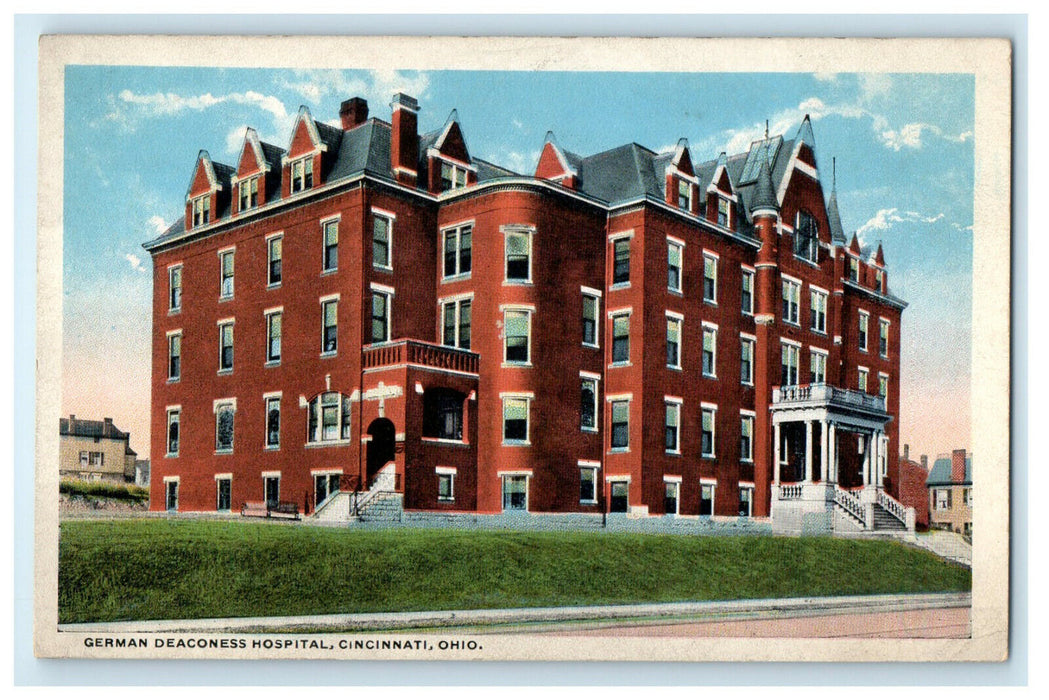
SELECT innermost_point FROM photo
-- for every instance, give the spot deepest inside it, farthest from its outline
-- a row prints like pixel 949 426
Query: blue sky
pixel 903 143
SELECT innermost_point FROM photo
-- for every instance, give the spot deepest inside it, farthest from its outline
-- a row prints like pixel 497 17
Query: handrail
pixel 849 503
pixel 825 393
pixel 418 352
pixel 892 506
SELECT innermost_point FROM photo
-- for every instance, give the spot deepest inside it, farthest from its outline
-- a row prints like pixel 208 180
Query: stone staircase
pixel 884 521
pixel 383 507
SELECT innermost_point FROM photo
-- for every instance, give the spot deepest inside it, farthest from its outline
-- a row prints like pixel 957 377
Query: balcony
pixel 806 395
pixel 416 352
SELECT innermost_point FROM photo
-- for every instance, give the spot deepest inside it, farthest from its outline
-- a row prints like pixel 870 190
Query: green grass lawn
pixel 167 569
pixel 104 489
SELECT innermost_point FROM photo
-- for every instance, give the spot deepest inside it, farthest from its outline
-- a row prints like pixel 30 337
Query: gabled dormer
pixel 853 273
pixel 557 164
pixel 802 157
pixel 448 163
pixel 301 165
pixel 876 266
pixel 682 185
pixel 208 191
pixel 721 196
pixel 258 173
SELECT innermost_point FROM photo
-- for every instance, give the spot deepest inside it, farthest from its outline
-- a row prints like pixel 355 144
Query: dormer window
pixel 201 210
pixel 249 193
pixel 879 280
pixel 806 238
pixel 684 195
pixel 854 270
pixel 453 177
pixel 302 174
pixel 723 212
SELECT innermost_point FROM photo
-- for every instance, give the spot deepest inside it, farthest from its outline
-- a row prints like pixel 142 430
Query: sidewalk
pixel 654 614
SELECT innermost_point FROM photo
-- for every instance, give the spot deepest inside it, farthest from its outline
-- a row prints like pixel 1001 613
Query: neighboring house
pixel 913 491
pixel 94 450
pixel 654 333
pixel 950 488
pixel 142 472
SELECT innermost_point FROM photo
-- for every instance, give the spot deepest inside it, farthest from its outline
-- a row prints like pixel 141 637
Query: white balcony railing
pixel 790 492
pixel 826 394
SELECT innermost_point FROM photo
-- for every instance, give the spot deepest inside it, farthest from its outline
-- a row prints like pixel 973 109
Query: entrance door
pixel 381 446
pixel 272 491
pixel 320 487
pixel 619 497
pixel 515 493
pixel 171 495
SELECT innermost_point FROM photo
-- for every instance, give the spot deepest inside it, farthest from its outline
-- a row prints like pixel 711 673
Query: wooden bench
pixel 254 510
pixel 285 509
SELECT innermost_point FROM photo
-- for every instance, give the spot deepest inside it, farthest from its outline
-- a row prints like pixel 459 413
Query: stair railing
pixel 892 506
pixel 850 504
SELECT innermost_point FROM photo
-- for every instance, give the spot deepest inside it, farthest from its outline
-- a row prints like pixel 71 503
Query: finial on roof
pixel 834 174
pixel 766 129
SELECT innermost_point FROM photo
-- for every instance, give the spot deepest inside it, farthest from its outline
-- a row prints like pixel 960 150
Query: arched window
pixel 329 418
pixel 443 414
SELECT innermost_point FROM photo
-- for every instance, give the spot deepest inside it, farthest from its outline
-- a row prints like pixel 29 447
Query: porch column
pixel 832 450
pixel 876 459
pixel 824 465
pixel 866 460
pixel 775 453
pixel 808 451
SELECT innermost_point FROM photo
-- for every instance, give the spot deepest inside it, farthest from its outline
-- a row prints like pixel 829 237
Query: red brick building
pixel 628 330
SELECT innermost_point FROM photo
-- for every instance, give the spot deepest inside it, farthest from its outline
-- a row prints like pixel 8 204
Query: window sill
pixel 748 313
pixel 710 302
pixel 616 286
pixel 817 331
pixel 676 368
pixel 445 441
pixel 619 451
pixel 795 324
pixel 383 268
pixel 593 431
pixel 332 271
pixel 591 346
pixel 712 456
pixel 273 285
pixel 174 312
pixel 710 376
pixel 330 354
pixel 675 292
pixel 516 443
pixel 746 383
pixel 272 363
pixel 517 283
pixel 171 455
pixel 525 365
pixel 672 453
pixel 223 300
pixel 446 500
pixel 174 380
pixel 614 365
pixel 329 443
pixel 224 452
pixel 456 278
pixel 224 372
pixel 588 503
pixel 272 448
pixel 807 261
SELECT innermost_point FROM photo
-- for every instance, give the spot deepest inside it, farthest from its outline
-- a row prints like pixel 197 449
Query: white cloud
pixel 135 262
pixel 874 85
pixel 377 87
pixel 158 224
pixel 825 77
pixel 887 218
pixel 523 163
pixel 910 135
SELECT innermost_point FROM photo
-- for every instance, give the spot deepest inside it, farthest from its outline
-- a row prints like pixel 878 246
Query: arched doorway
pixel 380 447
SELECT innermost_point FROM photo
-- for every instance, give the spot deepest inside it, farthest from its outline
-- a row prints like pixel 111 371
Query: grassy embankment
pixel 194 569
pixel 103 490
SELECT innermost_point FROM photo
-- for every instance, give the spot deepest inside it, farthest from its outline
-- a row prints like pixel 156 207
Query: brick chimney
pixel 958 466
pixel 353 112
pixel 925 463
pixel 404 138
pixel 906 451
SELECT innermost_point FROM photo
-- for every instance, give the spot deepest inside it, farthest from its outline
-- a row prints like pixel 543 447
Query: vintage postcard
pixel 533 348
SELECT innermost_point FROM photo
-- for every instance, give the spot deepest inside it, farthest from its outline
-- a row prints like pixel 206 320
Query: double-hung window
pixel 330 234
pixel 674 255
pixel 588 403
pixel 710 278
pixel 274 260
pixel 174 418
pixel 329 326
pixel 329 418
pixel 274 323
pixel 620 438
pixel 518 256
pixel 224 412
pixel 806 237
pixel 174 356
pixel 226 346
pixel 591 309
pixel 747 292
pixel 817 366
pixel 854 269
pixel 883 385
pixel 446 484
pixel 818 311
pixel 684 195
pixel 861 378
pixel 673 341
pixel 791 301
pixel 458 251
pixel 789 365
pixel 272 422
pixel 621 338
pixel 710 344
pixel 201 210
pixel 517 327
pixel 515 420
pixel 883 337
pixel 382 241
pixel 723 212
pixel 746 437
pixel 223 495
pixel 671 495
pixel 621 261
pixel 226 274
pixel 381 315
pixel 864 324
pixel 707 447
pixel 455 323
pixel 672 425
pixel 174 288
pixel 302 174
pixel 746 360
pixel 588 484
pixel 453 177
pixel 879 281
pixel 249 193
pixel 706 498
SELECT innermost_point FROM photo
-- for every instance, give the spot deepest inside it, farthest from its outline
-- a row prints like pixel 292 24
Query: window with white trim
pixel 864 323
pixel 588 404
pixel 621 261
pixel 710 344
pixel 791 301
pixel 674 255
pixel 224 412
pixel 443 414
pixel 201 210
pixel 515 420
pixel 273 422
pixel 671 496
pixel 249 193
pixel 591 310
pixel 445 484
pixel 818 311
pixel 381 316
pixel 330 245
pixel 723 212
pixel 854 269
pixel 588 485
pixel 861 379
pixel 518 256
pixel 329 327
pixel 226 274
pixel 274 331
pixel 274 260
pixel 382 235
pixel 673 342
pixel 746 501
pixel 806 237
pixel 174 288
pixel 458 251
pixel 746 438
pixel 710 279
pixel 621 338
pixel 706 499
pixel 455 323
pixel 684 195
pixel 879 281
pixel 707 446
pixel 817 367
pixel 620 438
pixel 174 356
pixel 672 426
pixel 226 347
pixel 453 177
pixel 789 365
pixel 747 292
pixel 517 332
pixel 883 386
pixel 302 174
pixel 883 337
pixel 746 361
pixel 223 494
pixel 328 418
pixel 174 418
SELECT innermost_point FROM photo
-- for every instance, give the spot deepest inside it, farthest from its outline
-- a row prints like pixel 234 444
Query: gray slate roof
pixel 940 474
pixel 90 428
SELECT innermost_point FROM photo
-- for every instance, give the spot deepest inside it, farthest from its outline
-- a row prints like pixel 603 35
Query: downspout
pixel 360 360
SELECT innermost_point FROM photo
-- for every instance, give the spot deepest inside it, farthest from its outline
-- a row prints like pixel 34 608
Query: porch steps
pixel 383 507
pixel 884 521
